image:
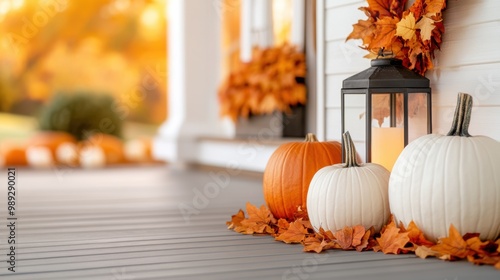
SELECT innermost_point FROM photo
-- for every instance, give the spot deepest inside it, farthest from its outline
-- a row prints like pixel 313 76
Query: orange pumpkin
pixel 12 155
pixel 100 150
pixel 290 170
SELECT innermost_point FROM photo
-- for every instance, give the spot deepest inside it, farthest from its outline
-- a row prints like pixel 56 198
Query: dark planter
pixel 276 125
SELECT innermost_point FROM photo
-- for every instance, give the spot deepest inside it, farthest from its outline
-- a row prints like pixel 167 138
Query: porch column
pixel 193 77
pixel 298 23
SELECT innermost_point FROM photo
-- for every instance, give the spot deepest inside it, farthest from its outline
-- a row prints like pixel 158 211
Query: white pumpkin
pixel 455 179
pixel 348 195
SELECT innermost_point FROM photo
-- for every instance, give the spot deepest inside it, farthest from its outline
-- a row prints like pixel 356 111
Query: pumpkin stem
pixel 349 150
pixel 461 120
pixel 310 137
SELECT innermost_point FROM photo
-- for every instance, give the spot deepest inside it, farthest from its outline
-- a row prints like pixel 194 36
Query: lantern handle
pixel 385 54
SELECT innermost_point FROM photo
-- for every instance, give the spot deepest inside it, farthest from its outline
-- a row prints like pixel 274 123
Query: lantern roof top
pixel 386 73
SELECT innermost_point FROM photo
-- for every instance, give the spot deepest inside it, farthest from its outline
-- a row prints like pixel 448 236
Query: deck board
pixel 125 223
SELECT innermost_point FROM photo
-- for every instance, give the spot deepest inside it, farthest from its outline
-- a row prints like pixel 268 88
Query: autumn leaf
pixel 301 213
pixel 295 233
pixel 386 29
pixel 326 234
pixel 417 236
pixel 495 260
pixel 364 241
pixel 406 27
pixel 381 8
pixel 283 225
pixel 415 53
pixel 314 244
pixel 424 252
pixel 236 220
pixel 391 240
pixel 475 244
pixel 434 6
pixel 426 25
pixel 357 235
pixel 454 245
pixel 363 30
pixel 417 8
pixel 258 221
pixel 344 237
pixel 397 7
pixel 257 215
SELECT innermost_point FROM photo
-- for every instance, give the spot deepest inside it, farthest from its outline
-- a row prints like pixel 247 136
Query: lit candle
pixel 387 144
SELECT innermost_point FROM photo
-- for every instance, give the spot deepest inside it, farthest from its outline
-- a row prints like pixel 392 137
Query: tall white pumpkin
pixel 455 179
pixel 348 195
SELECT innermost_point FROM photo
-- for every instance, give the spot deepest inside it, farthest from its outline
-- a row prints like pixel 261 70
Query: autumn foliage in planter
pixel 411 34
pixel 268 83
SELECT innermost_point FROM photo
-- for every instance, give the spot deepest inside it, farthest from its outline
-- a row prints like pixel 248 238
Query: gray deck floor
pixel 126 223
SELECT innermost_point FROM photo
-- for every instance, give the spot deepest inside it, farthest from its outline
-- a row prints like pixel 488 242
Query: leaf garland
pixel 266 84
pixel 413 34
pixel 392 239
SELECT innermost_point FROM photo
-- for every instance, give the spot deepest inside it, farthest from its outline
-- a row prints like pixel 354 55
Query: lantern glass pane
pixel 387 140
pixel 355 122
pixel 417 115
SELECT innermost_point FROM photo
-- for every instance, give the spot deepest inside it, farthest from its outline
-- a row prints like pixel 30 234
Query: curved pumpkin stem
pixel 349 150
pixel 461 120
pixel 310 137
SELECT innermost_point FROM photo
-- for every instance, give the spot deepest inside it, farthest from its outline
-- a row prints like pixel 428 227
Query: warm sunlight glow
pixel 4 7
pixel 16 4
pixel 282 19
pixel 121 5
pixel 150 16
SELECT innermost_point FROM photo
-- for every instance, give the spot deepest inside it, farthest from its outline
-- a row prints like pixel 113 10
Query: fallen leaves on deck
pixel 392 239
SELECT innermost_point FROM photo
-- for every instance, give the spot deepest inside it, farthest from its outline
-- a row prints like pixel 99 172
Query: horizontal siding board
pixel 339 21
pixel 469 45
pixel 339 3
pixel 481 81
pixel 464 13
pixel 344 57
pixel 484 121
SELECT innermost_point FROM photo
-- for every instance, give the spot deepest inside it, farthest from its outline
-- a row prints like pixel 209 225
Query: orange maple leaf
pixel 391 240
pixel 364 241
pixel 236 220
pixel 434 6
pixel 326 234
pixel 295 233
pixel 258 221
pixel 314 244
pixel 454 245
pixel 344 237
pixel 424 252
pixel 300 213
pixel 384 37
pixel 283 225
pixel 405 28
pixel 357 235
pixel 262 215
pixel 417 236
pixel 397 7
pixel 363 30
pixel 417 8
pixel 380 8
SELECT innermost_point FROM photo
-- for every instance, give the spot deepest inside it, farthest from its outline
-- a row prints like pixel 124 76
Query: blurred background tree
pixel 118 47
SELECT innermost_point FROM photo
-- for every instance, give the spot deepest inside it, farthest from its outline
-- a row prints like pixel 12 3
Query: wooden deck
pixel 126 223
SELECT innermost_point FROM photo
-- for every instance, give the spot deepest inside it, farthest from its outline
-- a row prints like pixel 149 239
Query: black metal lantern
pixel 384 108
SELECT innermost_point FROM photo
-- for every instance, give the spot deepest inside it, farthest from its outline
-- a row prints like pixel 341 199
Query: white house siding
pixel 469 61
